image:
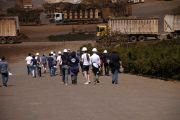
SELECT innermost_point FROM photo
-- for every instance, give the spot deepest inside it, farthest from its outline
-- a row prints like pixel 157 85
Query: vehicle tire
pixel 133 38
pixel 158 37
pixel 10 40
pixel 141 38
pixel 175 35
pixel 3 40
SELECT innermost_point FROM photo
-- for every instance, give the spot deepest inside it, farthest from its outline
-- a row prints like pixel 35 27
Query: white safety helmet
pixel 52 52
pixel 94 50
pixel 105 51
pixel 84 49
pixel 65 50
pixel 59 52
pixel 37 54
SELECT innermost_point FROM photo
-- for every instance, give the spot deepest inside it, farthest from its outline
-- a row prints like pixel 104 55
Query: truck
pixel 68 13
pixel 172 25
pixel 9 29
pixel 135 1
pixel 138 28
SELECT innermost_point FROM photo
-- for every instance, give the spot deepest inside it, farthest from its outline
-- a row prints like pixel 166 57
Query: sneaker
pixel 86 83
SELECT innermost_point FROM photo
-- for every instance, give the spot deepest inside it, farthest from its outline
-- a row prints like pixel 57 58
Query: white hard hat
pixel 94 50
pixel 105 51
pixel 84 49
pixel 65 50
pixel 59 52
pixel 37 53
pixel 52 52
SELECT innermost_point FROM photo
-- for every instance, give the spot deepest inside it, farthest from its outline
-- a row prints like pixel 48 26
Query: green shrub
pixel 160 59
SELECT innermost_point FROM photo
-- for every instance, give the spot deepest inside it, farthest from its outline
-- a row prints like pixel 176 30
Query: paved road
pixel 45 98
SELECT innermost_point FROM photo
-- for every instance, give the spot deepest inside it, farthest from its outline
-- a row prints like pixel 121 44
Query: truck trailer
pixel 138 28
pixel 172 25
pixel 9 29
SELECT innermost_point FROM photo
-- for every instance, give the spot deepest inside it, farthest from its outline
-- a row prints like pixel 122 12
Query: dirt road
pixel 41 33
pixel 45 98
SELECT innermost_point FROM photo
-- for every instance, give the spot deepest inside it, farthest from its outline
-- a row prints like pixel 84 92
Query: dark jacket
pixel 114 62
pixel 3 67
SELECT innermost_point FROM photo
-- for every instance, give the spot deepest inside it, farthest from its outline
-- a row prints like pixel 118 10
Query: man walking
pixel 28 62
pixel 4 71
pixel 115 66
pixel 96 62
pixel 65 66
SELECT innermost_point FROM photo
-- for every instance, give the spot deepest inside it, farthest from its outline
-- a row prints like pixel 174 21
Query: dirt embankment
pixel 15 52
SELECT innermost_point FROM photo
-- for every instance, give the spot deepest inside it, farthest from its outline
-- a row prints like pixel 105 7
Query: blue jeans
pixel 65 70
pixel 34 70
pixel 29 69
pixel 51 70
pixel 115 77
pixel 5 77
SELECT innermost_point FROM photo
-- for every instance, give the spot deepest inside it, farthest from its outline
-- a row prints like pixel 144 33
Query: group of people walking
pixel 70 63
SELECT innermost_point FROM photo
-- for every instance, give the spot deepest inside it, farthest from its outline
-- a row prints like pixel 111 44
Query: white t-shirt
pixel 95 60
pixel 28 60
pixel 85 60
pixel 59 60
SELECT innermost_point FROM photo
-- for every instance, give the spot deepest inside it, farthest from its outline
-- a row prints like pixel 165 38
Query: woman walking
pixel 85 58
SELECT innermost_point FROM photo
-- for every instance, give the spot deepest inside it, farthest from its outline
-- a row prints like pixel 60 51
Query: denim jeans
pixel 29 69
pixel 5 77
pixel 115 77
pixel 60 68
pixel 34 70
pixel 106 69
pixel 65 70
pixel 51 71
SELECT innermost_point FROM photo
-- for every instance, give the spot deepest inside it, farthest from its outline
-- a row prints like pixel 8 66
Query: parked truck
pixel 135 1
pixel 135 28
pixel 138 29
pixel 172 25
pixel 9 29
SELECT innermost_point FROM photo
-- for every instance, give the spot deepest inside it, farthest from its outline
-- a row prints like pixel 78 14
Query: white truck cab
pixel 56 18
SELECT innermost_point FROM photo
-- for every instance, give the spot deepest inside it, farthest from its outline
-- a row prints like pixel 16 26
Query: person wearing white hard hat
pixel 74 67
pixel 65 66
pixel 106 61
pixel 34 66
pixel 38 64
pixel 44 63
pixel 50 64
pixel 96 62
pixel 86 62
pixel 54 63
pixel 59 62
